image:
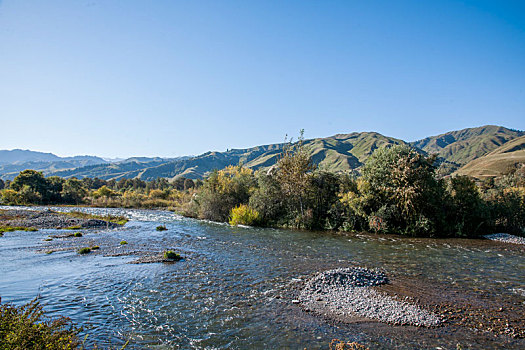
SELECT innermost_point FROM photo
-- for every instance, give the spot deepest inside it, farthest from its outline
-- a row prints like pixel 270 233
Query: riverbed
pixel 235 286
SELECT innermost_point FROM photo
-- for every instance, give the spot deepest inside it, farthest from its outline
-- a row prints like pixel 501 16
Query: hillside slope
pixel 457 148
pixel 341 152
pixel 496 162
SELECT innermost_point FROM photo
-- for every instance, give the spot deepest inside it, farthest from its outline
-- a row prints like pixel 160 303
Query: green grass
pixel 119 220
pixel 85 250
pixel 75 227
pixel 123 242
pixel 171 255
pixel 15 228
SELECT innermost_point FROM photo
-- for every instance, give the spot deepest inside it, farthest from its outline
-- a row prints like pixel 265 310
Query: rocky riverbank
pixel 346 294
pixel 48 219
pixel 506 238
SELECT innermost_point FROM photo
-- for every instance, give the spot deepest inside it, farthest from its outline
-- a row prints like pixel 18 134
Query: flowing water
pixel 234 287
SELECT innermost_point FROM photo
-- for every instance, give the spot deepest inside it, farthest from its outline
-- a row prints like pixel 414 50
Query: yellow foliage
pixel 244 215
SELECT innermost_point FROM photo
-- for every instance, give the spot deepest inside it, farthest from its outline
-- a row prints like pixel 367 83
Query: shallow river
pixel 233 289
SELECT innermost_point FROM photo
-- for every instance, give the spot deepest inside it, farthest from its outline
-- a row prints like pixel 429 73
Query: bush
pixel 171 255
pixel 78 234
pixel 244 215
pixel 123 242
pixel 162 228
pixel 26 327
pixel 85 250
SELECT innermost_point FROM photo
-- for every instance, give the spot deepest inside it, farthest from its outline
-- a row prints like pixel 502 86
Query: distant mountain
pixel 496 162
pixel 18 156
pixel 341 152
pixel 457 148
pixel 14 161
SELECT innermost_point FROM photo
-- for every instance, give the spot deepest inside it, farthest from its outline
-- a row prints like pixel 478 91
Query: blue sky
pixel 170 78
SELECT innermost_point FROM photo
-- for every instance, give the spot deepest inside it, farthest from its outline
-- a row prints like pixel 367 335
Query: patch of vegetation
pixel 50 251
pixel 171 255
pixel 27 327
pixel 48 239
pixel 16 228
pixel 119 220
pixel 95 247
pixel 123 242
pixel 337 344
pixel 161 228
pixel 85 250
pixel 77 234
pixel 244 215
pixel 75 227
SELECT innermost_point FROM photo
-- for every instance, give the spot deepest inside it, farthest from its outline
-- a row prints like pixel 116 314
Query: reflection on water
pixel 232 291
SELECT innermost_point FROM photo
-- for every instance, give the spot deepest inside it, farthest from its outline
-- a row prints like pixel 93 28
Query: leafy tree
pixel 54 190
pixel 293 174
pixel 104 191
pixel 34 180
pixel 2 184
pixel 224 190
pixel 73 191
pixel 467 206
pixel 405 195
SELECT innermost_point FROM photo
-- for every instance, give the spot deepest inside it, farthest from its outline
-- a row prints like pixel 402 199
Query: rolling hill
pixel 341 152
pixel 497 162
pixel 457 148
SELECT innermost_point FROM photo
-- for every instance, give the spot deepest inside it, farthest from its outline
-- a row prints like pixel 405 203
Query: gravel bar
pixel 505 238
pixel 347 293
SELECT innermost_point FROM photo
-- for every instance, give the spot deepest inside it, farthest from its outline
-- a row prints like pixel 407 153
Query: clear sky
pixel 170 78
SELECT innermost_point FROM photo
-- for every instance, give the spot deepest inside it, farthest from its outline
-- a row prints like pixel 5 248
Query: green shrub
pixel 162 228
pixel 77 234
pixel 26 327
pixel 243 215
pixel 85 250
pixel 171 255
pixel 95 247
pixel 123 242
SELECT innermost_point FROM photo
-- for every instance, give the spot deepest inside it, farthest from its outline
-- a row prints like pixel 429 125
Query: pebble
pixel 506 238
pixel 346 292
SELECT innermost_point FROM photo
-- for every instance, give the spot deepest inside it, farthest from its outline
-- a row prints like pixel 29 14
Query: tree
pixel 35 182
pixel 405 195
pixel 73 191
pixel 467 214
pixel 293 174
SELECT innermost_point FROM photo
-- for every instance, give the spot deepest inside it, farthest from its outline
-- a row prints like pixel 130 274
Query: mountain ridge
pixel 342 152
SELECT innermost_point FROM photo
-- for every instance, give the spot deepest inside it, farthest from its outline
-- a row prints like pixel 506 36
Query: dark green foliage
pixel 77 234
pixel 123 242
pixel 85 250
pixel 161 228
pixel 2 184
pixel 73 191
pixel 268 200
pixel 171 255
pixel 467 211
pixel 403 193
pixel 26 327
